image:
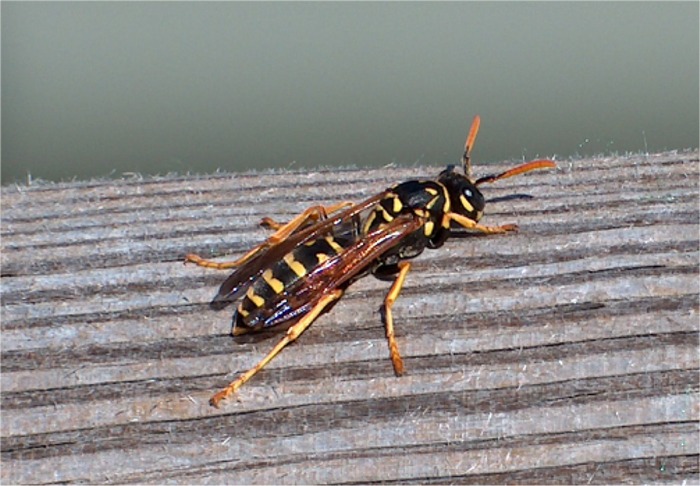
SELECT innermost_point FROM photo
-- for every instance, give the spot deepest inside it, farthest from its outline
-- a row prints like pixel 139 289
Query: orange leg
pixel 270 223
pixel 321 214
pixel 473 225
pixel 202 262
pixel 313 213
pixel 391 297
pixel 292 333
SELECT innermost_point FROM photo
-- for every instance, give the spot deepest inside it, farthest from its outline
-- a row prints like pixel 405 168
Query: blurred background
pixel 106 88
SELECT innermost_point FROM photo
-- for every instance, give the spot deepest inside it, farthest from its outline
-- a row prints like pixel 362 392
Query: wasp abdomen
pixel 254 310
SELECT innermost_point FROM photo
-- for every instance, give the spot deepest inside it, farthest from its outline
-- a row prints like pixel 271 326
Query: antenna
pixel 466 162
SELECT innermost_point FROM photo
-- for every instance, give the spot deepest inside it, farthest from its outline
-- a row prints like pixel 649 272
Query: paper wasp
pixel 308 263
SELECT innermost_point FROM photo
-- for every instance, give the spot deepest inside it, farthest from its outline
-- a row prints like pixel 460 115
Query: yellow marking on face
pixel 242 311
pixel 296 266
pixel 334 244
pixel 428 228
pixel 465 203
pixel 322 257
pixel 276 284
pixel 255 298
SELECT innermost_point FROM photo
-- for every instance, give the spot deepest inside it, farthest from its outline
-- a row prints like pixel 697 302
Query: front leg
pixel 473 225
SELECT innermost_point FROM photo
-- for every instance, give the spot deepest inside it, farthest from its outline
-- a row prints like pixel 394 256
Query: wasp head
pixel 465 198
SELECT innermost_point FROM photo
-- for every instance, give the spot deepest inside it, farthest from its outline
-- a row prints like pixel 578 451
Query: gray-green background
pixel 95 89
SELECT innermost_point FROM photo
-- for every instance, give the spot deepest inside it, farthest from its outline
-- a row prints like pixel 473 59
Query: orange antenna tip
pixel 472 135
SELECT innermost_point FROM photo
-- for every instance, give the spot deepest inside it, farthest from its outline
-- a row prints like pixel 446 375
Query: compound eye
pixel 468 193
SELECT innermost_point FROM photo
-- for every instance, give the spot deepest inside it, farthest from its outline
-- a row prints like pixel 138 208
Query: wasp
pixel 303 268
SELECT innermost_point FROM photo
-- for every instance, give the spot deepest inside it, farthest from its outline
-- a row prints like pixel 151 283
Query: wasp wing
pixel 234 286
pixel 337 272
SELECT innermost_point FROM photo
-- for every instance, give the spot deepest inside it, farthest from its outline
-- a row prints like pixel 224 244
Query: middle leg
pixel 391 296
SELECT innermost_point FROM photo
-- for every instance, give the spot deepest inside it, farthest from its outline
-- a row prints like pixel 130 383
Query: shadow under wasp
pixel 307 264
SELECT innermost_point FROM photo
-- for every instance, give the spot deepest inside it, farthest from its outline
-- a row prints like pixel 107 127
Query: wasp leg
pixel 292 333
pixel 202 262
pixel 391 297
pixel 270 223
pixel 317 212
pixel 313 213
pixel 473 225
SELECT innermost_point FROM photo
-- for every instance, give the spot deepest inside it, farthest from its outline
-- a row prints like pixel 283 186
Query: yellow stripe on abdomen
pixel 276 285
pixel 296 266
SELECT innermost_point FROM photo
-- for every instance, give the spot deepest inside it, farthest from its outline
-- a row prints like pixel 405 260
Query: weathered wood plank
pixel 566 353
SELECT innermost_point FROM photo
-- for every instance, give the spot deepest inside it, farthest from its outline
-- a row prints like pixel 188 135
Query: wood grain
pixel 565 353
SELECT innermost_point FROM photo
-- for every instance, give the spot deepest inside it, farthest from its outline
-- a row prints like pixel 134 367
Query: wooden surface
pixel 566 353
